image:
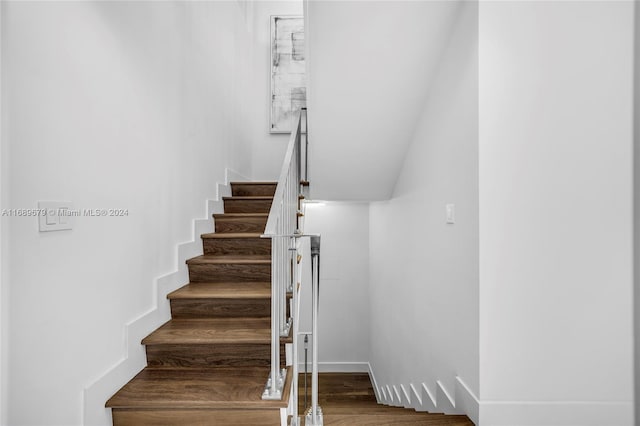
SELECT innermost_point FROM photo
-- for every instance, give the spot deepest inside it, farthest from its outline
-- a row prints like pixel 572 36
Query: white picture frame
pixel 288 71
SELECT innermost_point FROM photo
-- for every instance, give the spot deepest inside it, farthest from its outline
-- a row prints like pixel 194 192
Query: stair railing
pixel 284 227
pixel 314 415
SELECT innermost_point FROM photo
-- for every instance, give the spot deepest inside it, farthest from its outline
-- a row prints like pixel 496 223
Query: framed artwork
pixel 288 71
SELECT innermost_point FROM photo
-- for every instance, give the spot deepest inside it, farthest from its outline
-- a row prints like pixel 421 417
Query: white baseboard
pixel 383 396
pixel 466 401
pixel 462 400
pixel 405 397
pixel 446 402
pixel 527 413
pixel 524 413
pixel 374 383
pixel 416 397
pixel 397 399
pixel 428 399
pixel 422 397
pixel 133 359
pixel 388 391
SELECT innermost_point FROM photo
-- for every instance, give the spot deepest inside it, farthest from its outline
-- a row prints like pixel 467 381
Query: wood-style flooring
pixel 348 399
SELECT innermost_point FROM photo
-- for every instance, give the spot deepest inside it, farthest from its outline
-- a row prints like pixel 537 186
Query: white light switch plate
pixel 451 213
pixel 55 215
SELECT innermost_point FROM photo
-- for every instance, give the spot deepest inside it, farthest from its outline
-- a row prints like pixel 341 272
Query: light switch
pixel 55 215
pixel 451 213
pixel 63 216
pixel 50 217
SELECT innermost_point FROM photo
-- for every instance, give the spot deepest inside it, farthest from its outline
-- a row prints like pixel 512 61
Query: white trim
pixel 374 383
pixel 428 399
pixel 233 176
pixel 406 399
pixel 133 359
pixel 466 401
pixel 390 395
pixel 398 398
pixel 562 413
pixel 416 394
pixel 463 400
pixel 445 402
pixel 384 396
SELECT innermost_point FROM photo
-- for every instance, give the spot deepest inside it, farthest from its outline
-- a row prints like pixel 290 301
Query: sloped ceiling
pixel 370 64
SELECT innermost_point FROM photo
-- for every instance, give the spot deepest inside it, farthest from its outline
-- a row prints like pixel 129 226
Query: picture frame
pixel 288 71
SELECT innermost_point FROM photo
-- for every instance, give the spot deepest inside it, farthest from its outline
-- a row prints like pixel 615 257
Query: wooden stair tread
pixel 207 331
pixel 248 290
pixel 248 203
pixel 221 387
pixel 226 235
pixel 241 222
pixel 221 259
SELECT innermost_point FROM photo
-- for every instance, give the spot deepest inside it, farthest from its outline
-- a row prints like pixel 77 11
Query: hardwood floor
pixel 221 387
pixel 240 222
pixel 236 242
pixel 349 399
pixel 213 268
pixel 222 300
pixel 393 420
pixel 243 204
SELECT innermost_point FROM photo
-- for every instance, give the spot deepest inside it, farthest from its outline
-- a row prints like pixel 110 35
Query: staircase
pixel 208 365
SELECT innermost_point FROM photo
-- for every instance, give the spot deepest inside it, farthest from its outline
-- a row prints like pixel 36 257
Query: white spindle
pixel 281 223
pixel 284 230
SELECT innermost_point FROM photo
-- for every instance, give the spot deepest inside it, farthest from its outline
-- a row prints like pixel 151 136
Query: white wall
pixel 267 150
pixel 636 214
pixel 108 104
pixel 555 213
pixel 423 271
pixel 344 315
pixel 4 282
pixel 372 65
